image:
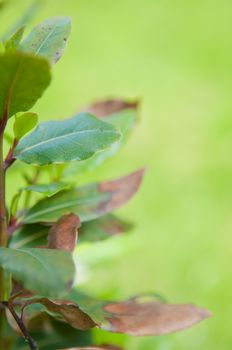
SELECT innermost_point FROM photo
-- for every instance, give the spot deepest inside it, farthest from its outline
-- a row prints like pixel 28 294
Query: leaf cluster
pixel 36 258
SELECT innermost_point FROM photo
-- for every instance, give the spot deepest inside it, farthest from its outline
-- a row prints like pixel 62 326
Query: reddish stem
pixel 10 159
pixel 3 214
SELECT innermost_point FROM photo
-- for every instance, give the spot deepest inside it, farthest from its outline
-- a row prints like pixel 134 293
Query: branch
pixel 31 342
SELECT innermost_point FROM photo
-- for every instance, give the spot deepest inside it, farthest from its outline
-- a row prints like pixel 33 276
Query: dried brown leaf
pixel 152 318
pixel 63 234
pixel 134 317
pixel 69 312
pixel 102 109
pixel 121 190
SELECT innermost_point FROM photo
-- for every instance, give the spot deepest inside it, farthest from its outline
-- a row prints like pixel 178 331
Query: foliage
pixel 37 239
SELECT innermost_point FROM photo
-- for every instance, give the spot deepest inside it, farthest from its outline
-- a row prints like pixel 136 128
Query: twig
pixel 31 342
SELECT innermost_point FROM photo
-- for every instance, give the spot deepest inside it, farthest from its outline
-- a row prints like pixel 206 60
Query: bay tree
pixel 47 219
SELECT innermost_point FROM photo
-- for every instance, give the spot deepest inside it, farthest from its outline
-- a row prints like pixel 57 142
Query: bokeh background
pixel 175 56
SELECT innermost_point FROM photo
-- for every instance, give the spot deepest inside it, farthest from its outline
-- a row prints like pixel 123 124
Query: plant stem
pixel 3 215
pixel 31 342
pixel 3 218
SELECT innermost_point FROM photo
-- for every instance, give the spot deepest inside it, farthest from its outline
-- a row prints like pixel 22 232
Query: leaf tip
pixel 105 108
pixel 63 234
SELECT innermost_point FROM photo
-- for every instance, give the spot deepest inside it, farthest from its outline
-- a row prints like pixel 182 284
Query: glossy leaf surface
pixel 43 271
pixel 23 81
pixel 123 119
pixel 77 138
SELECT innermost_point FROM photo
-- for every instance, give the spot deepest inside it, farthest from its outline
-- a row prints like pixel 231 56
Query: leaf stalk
pixel 31 342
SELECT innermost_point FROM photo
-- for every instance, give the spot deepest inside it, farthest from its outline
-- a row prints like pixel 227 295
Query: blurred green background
pixel 176 56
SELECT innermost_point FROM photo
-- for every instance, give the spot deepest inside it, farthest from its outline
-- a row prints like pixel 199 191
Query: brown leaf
pixel 137 317
pixel 104 108
pixel 63 234
pixel 152 318
pixel 121 190
pixel 69 312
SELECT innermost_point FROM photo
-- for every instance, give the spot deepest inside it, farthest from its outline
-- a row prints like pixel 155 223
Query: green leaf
pixel 23 81
pixel 43 271
pixel 124 120
pixel 23 20
pixel 77 138
pixel 14 203
pixel 13 42
pixel 103 228
pixel 47 189
pixel 8 138
pixel 48 39
pixel 30 236
pixel 88 202
pixel 52 335
pixel 24 123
